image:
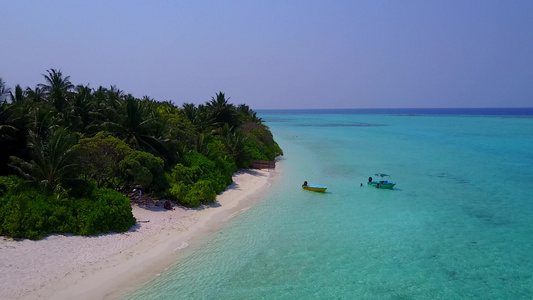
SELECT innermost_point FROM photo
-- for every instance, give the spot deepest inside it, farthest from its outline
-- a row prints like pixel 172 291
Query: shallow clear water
pixel 457 225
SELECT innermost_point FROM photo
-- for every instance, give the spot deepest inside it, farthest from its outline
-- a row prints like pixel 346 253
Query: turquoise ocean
pixel 458 224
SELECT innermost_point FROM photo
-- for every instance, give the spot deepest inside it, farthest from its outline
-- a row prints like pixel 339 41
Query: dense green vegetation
pixel 69 154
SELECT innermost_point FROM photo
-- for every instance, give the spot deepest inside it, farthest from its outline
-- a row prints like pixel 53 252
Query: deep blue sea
pixel 458 224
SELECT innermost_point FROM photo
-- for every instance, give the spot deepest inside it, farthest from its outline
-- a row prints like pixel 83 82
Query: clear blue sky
pixel 280 54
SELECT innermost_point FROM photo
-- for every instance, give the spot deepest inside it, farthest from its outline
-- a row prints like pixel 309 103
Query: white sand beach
pixel 105 266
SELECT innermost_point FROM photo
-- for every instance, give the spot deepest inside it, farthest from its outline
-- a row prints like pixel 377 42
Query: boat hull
pixel 382 184
pixel 314 188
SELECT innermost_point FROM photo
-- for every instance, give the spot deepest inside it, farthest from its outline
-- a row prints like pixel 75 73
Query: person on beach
pixel 167 205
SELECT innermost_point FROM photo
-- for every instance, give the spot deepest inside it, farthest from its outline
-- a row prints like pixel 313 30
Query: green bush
pixel 106 211
pixel 254 150
pixel 227 168
pixel 200 179
pixel 190 200
pixel 100 157
pixel 179 190
pixel 8 183
pixel 202 191
pixel 144 169
pixel 185 175
pixel 80 188
pixel 260 143
pixel 34 214
pixel 218 170
pixel 194 195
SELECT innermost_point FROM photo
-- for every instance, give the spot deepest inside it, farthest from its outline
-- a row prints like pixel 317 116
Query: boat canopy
pixel 382 175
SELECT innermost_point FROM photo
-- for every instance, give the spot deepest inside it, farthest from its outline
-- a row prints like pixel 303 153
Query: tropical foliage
pixel 68 154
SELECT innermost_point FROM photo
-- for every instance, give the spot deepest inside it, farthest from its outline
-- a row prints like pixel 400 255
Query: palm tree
pixel 115 97
pixel 5 126
pixel 7 130
pixel 56 89
pixel 198 116
pixel 108 106
pixel 15 118
pixel 174 129
pixel 247 115
pixel 234 141
pixel 135 125
pixel 19 95
pixel 81 108
pixel 222 112
pixel 41 120
pixel 4 91
pixel 36 95
pixel 101 109
pixel 52 163
pixel 202 141
pixel 7 137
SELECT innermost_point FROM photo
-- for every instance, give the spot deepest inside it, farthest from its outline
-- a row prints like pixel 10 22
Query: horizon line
pixel 372 108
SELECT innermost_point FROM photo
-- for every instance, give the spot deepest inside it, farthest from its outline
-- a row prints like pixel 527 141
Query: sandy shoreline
pixel 105 266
